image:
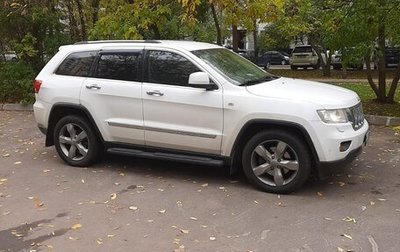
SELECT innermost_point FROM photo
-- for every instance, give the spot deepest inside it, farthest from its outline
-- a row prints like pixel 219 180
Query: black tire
pixel 267 65
pixel 293 67
pixel 64 141
pixel 295 153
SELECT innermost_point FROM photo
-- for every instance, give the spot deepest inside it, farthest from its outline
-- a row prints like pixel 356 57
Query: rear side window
pixel 303 49
pixel 119 66
pixel 169 68
pixel 77 64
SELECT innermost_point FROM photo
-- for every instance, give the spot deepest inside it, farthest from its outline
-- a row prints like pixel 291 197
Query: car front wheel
pixel 276 161
pixel 75 141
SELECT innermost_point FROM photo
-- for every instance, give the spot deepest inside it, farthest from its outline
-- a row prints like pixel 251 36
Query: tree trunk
pixel 344 70
pixel 381 58
pixel 217 26
pixel 95 11
pixel 73 29
pixel 235 38
pixel 82 20
pixel 255 36
pixel 369 75
pixel 394 84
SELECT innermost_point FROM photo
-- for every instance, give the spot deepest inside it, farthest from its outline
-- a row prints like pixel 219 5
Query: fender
pixel 59 109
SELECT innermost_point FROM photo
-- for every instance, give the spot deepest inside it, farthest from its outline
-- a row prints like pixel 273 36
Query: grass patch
pixel 335 74
pixel 370 106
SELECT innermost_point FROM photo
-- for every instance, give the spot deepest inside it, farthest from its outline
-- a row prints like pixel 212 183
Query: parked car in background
pixel 336 62
pixel 272 58
pixel 392 56
pixel 304 56
pixel 8 56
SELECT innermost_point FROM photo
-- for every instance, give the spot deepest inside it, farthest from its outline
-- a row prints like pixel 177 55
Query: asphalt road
pixel 126 204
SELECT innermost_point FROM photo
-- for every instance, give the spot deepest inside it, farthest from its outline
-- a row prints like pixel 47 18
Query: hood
pixel 328 96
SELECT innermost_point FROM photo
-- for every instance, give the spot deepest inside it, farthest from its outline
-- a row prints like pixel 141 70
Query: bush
pixel 16 83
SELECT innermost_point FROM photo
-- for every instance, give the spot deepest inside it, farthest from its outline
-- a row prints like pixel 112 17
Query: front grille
pixel 356 116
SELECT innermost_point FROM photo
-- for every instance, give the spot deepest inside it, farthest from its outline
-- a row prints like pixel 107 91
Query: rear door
pixel 177 116
pixel 113 95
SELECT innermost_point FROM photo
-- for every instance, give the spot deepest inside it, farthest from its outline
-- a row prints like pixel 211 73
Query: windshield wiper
pixel 258 81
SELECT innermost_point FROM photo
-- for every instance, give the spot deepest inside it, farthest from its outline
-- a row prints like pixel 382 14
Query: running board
pixel 167 156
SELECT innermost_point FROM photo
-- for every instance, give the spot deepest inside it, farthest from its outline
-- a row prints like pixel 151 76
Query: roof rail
pixel 115 41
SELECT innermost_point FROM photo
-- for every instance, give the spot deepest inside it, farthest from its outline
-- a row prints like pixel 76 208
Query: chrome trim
pixel 177 132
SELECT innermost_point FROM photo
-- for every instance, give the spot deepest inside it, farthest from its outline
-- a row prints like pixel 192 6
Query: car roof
pixel 177 44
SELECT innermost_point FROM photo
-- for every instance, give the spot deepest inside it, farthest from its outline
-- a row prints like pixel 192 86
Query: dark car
pixel 272 58
pixel 392 56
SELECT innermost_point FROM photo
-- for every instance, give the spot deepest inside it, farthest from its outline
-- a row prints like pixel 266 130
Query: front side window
pixel 77 64
pixel 119 66
pixel 169 68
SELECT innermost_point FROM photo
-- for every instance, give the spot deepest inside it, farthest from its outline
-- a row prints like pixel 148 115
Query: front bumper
pixel 340 147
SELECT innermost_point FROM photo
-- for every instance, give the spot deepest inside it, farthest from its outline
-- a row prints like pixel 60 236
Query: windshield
pixel 240 71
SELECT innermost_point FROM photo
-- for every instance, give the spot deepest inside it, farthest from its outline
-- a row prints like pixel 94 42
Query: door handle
pixel 93 86
pixel 155 93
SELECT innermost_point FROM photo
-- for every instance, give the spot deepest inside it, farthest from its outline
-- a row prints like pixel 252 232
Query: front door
pixel 177 116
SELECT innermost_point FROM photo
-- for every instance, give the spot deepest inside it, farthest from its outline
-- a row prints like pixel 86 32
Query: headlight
pixel 333 115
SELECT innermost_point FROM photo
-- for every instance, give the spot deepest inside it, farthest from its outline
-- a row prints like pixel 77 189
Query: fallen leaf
pixel 193 218
pixel 99 241
pixel 113 196
pixel 256 201
pixel 122 174
pixel 184 231
pixel 134 208
pixel 110 236
pixel 339 249
pixel 18 162
pixel 347 236
pixel 160 189
pixel 380 199
pixel 327 218
pixel 73 238
pixel 204 185
pixel 162 211
pixel 6 213
pixel 83 181
pixel 349 219
pixel 6 155
pixel 212 238
pixel 76 226
pixel 320 194
pixel 341 184
pixel 3 180
pixel 46 170
pixel 150 221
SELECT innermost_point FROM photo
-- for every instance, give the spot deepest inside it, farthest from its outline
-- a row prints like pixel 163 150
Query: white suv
pixel 194 102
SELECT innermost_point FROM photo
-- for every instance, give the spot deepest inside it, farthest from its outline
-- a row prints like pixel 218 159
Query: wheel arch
pixel 59 110
pixel 256 125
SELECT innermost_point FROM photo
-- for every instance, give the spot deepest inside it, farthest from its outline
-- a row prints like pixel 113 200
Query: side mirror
pixel 201 80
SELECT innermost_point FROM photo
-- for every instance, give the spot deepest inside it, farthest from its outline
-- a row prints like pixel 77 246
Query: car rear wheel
pixel 276 161
pixel 75 141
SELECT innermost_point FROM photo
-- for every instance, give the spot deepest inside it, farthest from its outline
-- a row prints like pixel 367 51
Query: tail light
pixel 36 85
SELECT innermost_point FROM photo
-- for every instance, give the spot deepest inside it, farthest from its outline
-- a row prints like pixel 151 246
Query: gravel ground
pixel 127 204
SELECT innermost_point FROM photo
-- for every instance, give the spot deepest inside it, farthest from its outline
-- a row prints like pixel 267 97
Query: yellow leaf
pixel 184 231
pixel 110 236
pixel 99 241
pixel 347 236
pixel 212 238
pixel 76 226
pixel 162 211
pixel 113 196
pixel 133 208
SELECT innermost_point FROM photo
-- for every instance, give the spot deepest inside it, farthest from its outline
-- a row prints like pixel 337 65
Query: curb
pixel 383 120
pixel 372 119
pixel 15 107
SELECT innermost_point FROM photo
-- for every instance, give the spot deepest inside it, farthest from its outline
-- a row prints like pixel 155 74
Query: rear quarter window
pixel 77 64
pixel 305 49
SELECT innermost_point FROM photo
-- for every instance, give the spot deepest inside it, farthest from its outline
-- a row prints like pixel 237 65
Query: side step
pixel 167 156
